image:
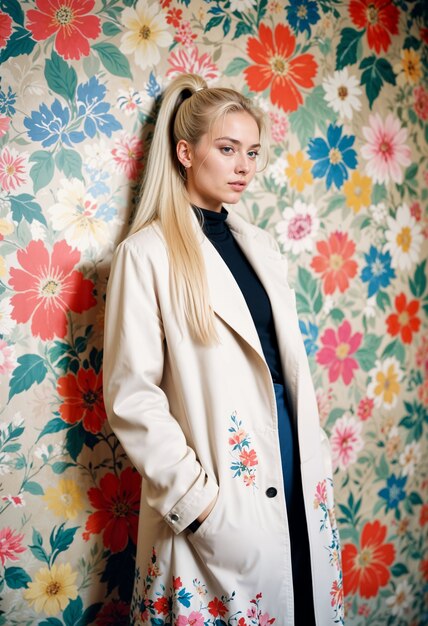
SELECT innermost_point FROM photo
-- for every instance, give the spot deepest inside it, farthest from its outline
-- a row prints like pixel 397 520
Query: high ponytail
pixel 188 110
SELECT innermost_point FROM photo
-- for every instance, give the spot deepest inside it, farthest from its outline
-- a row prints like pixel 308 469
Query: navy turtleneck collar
pixel 214 223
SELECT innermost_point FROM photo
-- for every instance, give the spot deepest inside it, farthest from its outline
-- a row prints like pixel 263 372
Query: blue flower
pixel 394 492
pixel 50 125
pixel 311 331
pixel 153 88
pixel 7 101
pixel 106 212
pixel 378 271
pixel 301 14
pixel 90 97
pixel 98 186
pixel 333 156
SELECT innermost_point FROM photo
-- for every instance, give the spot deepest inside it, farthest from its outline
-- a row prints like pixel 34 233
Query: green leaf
pixel 60 466
pixel 13 8
pixel 398 569
pixel 37 548
pixel 75 439
pixel 34 488
pixel 61 77
pixel 236 67
pixel 51 621
pixel 113 60
pixel 337 314
pixel 16 577
pixel 54 425
pixel 31 369
pixel 24 207
pixel 376 72
pixel 90 614
pixel 419 283
pixel 415 498
pixel 19 43
pixel 242 28
pixel 73 612
pixel 317 105
pixel 61 539
pixel 69 162
pixel 110 29
pixel 382 470
pixel 383 300
pixel 43 169
pixel 378 193
pixel 302 124
pixel 226 26
pixel 213 22
pixel 307 293
pixel 347 49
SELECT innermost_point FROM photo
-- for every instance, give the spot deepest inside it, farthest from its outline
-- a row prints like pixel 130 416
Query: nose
pixel 242 164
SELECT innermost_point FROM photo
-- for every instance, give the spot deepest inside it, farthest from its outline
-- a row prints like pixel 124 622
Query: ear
pixel 184 153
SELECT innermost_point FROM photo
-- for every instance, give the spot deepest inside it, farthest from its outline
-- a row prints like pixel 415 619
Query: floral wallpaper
pixel 345 87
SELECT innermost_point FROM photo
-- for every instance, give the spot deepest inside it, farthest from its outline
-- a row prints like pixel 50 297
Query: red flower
pixel 365 408
pixel 216 607
pixel 174 17
pixel 424 569
pixel 83 399
pixel 423 515
pixel 162 605
pixel 272 55
pixel 118 503
pixel 248 458
pixel 116 613
pixel 334 263
pixel 405 322
pixel 176 582
pixel 5 28
pixel 48 287
pixel 366 570
pixel 379 17
pixel 69 21
pixel 10 545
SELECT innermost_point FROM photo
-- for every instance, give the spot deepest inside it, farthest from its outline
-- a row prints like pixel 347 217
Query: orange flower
pixel 405 322
pixel 366 570
pixel 423 515
pixel 248 458
pixel 334 263
pixel 273 65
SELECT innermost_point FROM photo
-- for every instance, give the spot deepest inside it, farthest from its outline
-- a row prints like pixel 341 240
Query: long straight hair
pixel 189 109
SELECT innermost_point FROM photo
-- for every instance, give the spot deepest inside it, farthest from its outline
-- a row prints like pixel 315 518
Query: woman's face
pixel 221 165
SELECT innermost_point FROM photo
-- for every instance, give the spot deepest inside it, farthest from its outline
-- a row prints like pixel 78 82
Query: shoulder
pixel 259 235
pixel 144 246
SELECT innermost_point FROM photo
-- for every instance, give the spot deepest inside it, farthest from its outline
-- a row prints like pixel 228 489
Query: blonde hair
pixel 189 109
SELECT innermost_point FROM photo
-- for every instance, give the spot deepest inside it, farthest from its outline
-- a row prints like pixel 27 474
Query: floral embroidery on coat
pixel 244 457
pixel 180 607
pixel 321 501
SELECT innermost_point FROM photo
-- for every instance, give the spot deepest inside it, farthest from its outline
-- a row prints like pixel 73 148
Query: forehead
pixel 238 125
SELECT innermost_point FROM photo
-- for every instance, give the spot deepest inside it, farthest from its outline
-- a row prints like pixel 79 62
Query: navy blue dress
pixel 217 230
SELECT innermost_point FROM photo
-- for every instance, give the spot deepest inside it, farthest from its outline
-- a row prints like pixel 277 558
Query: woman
pixel 208 388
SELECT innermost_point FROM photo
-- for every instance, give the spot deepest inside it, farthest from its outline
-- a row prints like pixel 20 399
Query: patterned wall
pixel 345 86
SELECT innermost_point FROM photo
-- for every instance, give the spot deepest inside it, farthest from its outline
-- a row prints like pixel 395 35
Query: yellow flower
pixel 147 31
pixel 53 589
pixel 385 384
pixel 358 191
pixel 299 170
pixel 6 227
pixel 65 499
pixel 411 65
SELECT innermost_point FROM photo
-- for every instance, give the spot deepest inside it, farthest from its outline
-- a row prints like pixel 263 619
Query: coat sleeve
pixel 176 486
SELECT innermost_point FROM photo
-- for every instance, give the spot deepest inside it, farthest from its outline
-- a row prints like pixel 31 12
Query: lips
pixel 238 185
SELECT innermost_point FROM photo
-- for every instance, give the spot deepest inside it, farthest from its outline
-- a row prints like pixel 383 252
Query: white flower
pixel 75 215
pixel 277 171
pixel 379 212
pixel 410 458
pixel 5 467
pixel 147 33
pixel 404 238
pixel 385 386
pixel 240 5
pixel 346 441
pixel 97 154
pixel 131 100
pixel 401 600
pixel 38 231
pixel 44 452
pixel 7 324
pixel 371 307
pixel 328 304
pixel 342 92
pixel 300 225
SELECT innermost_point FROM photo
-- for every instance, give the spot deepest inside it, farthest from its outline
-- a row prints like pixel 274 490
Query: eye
pixel 227 149
pixel 253 154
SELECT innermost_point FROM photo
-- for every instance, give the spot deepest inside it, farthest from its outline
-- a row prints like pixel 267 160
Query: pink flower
pixel 16 501
pixel 184 34
pixel 187 61
pixel 324 398
pixel 385 150
pixel 4 125
pixel 249 480
pixel 10 545
pixel 346 441
pixel 7 358
pixel 195 619
pixel 336 593
pixel 337 351
pixel 320 494
pixel 421 102
pixel 365 408
pixel 279 126
pixel 237 437
pixel 127 153
pixel 48 287
pixel 13 168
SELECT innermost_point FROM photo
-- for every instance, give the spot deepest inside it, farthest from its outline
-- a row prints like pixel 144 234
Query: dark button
pixel 271 492
pixel 174 517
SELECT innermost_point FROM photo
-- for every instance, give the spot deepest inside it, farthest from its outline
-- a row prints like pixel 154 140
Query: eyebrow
pixel 236 142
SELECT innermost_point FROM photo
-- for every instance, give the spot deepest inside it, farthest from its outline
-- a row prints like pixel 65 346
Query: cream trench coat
pixel 200 423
